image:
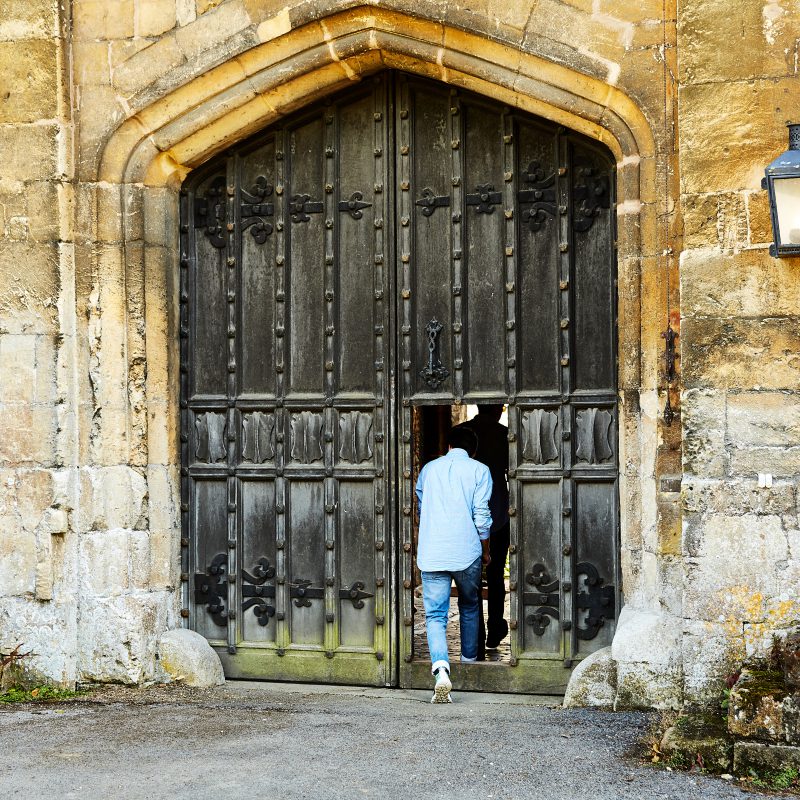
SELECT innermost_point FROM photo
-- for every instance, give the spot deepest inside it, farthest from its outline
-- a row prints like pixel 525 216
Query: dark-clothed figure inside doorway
pixel 493 451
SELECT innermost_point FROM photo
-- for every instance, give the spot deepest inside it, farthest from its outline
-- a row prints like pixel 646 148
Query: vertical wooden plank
pixel 596 590
pixel 430 187
pixel 307 560
pixel 257 500
pixel 356 564
pixel 358 213
pixel 256 221
pixel 539 568
pixel 486 249
pixel 209 320
pixel 306 234
pixel 210 540
pixel 595 279
pixel 539 213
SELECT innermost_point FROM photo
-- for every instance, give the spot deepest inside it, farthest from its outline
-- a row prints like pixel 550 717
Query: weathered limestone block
pixel 758 40
pixel 699 222
pixel 755 709
pixel 212 28
pixel 703 418
pixel 100 19
pixel 647 650
pixel 17 558
pixel 153 17
pixel 27 19
pixel 749 284
pixel 740 353
pixel 28 152
pixel 699 734
pixel 593 682
pixel 763 419
pixel 29 433
pixel 734 497
pixel 47 630
pixel 710 654
pixel 760 758
pixel 117 636
pixel 104 557
pixel 145 66
pixel 112 497
pixel 29 91
pixel 719 587
pixel 186 656
pixel 729 131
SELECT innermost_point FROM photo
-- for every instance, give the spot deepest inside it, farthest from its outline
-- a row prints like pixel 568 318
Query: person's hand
pixel 485 559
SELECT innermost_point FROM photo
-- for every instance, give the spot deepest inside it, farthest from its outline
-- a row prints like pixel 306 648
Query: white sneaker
pixel 441 691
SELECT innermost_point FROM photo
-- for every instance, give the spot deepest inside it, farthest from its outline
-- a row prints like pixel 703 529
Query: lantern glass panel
pixel 787 205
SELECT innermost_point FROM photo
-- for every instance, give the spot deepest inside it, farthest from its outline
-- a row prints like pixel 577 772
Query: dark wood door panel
pixel 402 244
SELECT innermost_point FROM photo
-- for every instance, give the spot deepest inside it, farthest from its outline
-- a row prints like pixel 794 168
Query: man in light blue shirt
pixel 454 523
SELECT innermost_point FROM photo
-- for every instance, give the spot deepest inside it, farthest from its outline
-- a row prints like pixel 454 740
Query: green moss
pixel 759 682
pixel 38 694
pixel 787 778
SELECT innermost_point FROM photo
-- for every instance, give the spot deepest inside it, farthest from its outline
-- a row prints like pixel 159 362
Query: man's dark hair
pixel 464 438
pixel 492 410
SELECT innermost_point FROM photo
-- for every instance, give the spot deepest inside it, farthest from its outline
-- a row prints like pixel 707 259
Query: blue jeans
pixel 436 597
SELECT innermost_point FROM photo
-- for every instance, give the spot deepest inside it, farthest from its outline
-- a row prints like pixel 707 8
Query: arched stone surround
pixel 148 155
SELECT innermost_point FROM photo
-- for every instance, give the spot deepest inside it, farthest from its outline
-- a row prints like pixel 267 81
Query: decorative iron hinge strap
pixel 541 196
pixel 590 194
pixel 254 209
pixel 485 198
pixel 546 598
pixel 354 205
pixel 597 599
pixel 303 593
pixel 430 201
pixel 209 212
pixel 301 205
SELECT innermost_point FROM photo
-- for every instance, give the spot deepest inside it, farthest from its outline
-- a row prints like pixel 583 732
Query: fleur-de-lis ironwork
pixel 434 373
pixel 255 592
pixel 254 209
pixel 211 590
pixel 354 205
pixel 540 197
pixel 545 597
pixel 430 201
pixel 209 212
pixel 303 593
pixel 301 205
pixel 590 194
pixel 597 600
pixel 485 198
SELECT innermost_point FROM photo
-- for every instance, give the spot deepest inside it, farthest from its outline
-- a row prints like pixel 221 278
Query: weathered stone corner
pixel 593 682
pixel 186 657
pixel 647 651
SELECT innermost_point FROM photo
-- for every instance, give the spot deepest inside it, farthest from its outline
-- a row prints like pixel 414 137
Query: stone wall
pixel 740 346
pixel 113 103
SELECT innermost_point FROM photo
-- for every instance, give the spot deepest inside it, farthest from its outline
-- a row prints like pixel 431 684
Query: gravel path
pixel 250 740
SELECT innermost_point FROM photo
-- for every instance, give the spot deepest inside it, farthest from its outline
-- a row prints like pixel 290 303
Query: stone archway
pixel 152 151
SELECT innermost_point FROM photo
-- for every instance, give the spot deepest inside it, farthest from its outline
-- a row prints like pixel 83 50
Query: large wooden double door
pixel 403 244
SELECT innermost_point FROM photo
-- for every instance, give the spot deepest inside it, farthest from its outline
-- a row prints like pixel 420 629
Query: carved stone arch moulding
pixel 171 135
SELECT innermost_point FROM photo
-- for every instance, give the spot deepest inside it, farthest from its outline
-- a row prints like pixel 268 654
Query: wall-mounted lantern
pixel 782 181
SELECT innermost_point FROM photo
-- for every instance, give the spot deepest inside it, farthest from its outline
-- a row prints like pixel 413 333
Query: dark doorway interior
pixel 431 425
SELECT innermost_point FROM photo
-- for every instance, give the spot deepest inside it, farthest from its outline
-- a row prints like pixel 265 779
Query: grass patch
pixel 39 694
pixel 779 781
